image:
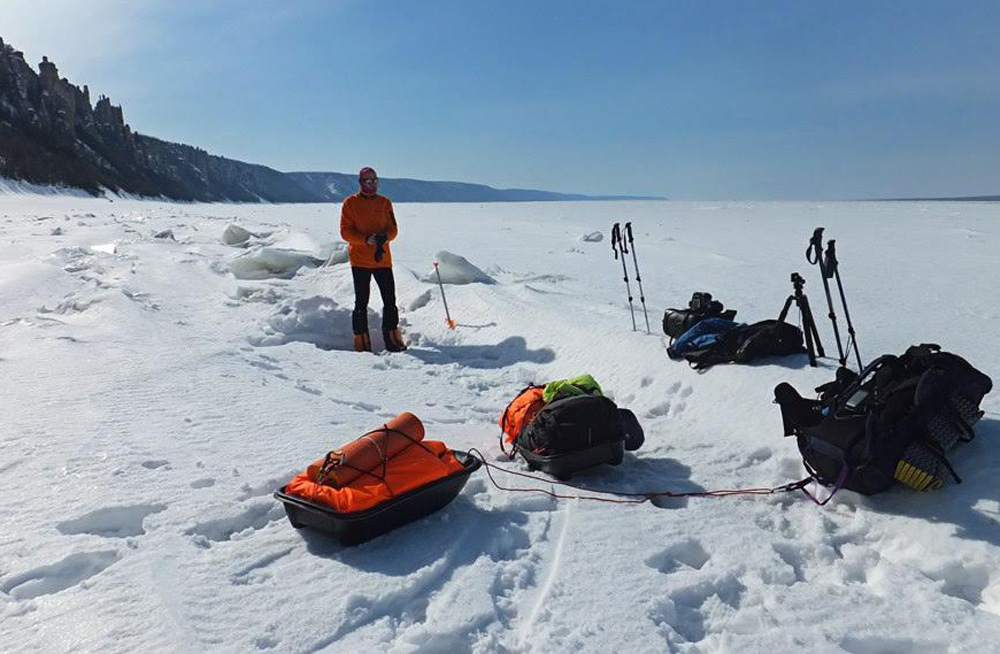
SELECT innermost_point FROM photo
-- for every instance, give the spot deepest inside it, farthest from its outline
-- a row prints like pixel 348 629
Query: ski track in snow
pixel 524 631
pixel 161 401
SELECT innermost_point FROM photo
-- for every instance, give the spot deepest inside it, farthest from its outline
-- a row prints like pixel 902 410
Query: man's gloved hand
pixel 381 238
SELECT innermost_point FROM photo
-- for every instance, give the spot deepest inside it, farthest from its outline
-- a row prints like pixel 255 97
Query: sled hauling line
pixel 625 497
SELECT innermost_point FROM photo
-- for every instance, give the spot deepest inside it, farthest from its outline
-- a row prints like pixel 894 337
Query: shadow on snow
pixel 505 353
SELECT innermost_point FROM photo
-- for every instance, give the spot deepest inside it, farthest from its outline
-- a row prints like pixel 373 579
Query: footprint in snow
pixel 59 576
pixel 758 456
pixel 266 642
pixel 253 518
pixel 704 605
pixel 689 553
pixel 306 388
pixel 111 522
pixel 962 580
pixel 680 390
pixel 256 573
pixel 879 644
pixel 660 410
pixel 264 365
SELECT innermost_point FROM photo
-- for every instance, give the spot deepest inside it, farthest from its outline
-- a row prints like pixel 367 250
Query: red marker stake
pixel 447 314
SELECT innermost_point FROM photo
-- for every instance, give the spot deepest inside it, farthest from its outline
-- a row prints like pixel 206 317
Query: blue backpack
pixel 702 336
pixel 715 341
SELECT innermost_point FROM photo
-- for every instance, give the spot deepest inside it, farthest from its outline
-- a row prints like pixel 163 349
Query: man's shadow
pixel 505 353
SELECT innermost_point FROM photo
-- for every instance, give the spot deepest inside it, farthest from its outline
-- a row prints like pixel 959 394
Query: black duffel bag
pixel 700 307
pixel 578 432
pixel 571 424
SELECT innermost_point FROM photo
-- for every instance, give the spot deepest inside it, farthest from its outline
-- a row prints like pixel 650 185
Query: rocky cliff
pixel 50 133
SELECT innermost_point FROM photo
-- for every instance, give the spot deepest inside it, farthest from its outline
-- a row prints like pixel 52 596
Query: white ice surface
pixel 152 403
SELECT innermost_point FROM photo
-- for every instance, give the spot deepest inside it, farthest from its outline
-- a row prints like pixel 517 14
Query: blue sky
pixel 692 100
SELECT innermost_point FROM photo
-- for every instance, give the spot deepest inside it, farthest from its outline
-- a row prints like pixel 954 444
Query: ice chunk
pixel 457 270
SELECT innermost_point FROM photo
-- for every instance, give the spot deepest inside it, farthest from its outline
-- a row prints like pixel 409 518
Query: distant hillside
pixel 964 198
pixel 333 187
pixel 51 134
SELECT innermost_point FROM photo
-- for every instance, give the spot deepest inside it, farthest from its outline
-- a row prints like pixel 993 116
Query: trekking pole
pixel 833 264
pixel 618 242
pixel 447 314
pixel 631 243
pixel 814 254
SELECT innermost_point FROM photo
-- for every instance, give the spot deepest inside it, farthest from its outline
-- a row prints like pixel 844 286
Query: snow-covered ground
pixel 152 402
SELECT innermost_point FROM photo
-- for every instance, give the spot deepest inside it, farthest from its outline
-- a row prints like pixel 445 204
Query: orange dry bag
pixel 368 453
pixel 381 465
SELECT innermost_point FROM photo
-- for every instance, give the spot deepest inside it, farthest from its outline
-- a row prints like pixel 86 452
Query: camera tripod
pixel 813 345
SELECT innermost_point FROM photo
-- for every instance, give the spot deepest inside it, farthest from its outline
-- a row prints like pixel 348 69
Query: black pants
pixel 362 291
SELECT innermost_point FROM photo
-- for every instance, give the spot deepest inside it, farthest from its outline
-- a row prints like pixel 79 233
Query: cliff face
pixel 50 133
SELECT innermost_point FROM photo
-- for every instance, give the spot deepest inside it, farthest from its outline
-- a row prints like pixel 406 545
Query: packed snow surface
pixel 155 395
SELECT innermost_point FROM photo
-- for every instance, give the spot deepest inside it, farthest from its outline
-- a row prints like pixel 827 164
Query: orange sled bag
pixel 382 480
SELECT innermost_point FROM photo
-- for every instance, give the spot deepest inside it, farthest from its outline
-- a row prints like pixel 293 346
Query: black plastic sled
pixel 358 526
pixel 563 466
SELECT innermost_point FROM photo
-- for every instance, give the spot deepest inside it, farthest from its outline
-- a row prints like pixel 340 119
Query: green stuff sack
pixel 562 388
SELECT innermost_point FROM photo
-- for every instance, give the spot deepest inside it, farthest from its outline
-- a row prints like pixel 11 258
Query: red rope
pixel 635 498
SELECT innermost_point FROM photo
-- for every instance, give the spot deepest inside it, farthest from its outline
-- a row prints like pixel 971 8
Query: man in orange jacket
pixel 368 224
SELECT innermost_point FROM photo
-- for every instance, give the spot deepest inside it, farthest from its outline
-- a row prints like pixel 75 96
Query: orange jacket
pixel 361 217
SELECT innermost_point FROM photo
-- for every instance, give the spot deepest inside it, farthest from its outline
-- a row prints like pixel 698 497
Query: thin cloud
pixel 915 86
pixel 79 35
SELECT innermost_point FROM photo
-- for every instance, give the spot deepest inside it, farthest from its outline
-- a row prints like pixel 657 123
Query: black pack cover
pixel 749 343
pixel 863 425
pixel 572 424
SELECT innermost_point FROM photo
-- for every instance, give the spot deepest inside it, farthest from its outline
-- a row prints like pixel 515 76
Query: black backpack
pixel 572 424
pixel 748 343
pixel 892 422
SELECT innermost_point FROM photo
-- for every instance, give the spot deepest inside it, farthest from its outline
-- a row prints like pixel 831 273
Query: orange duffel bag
pixel 379 466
